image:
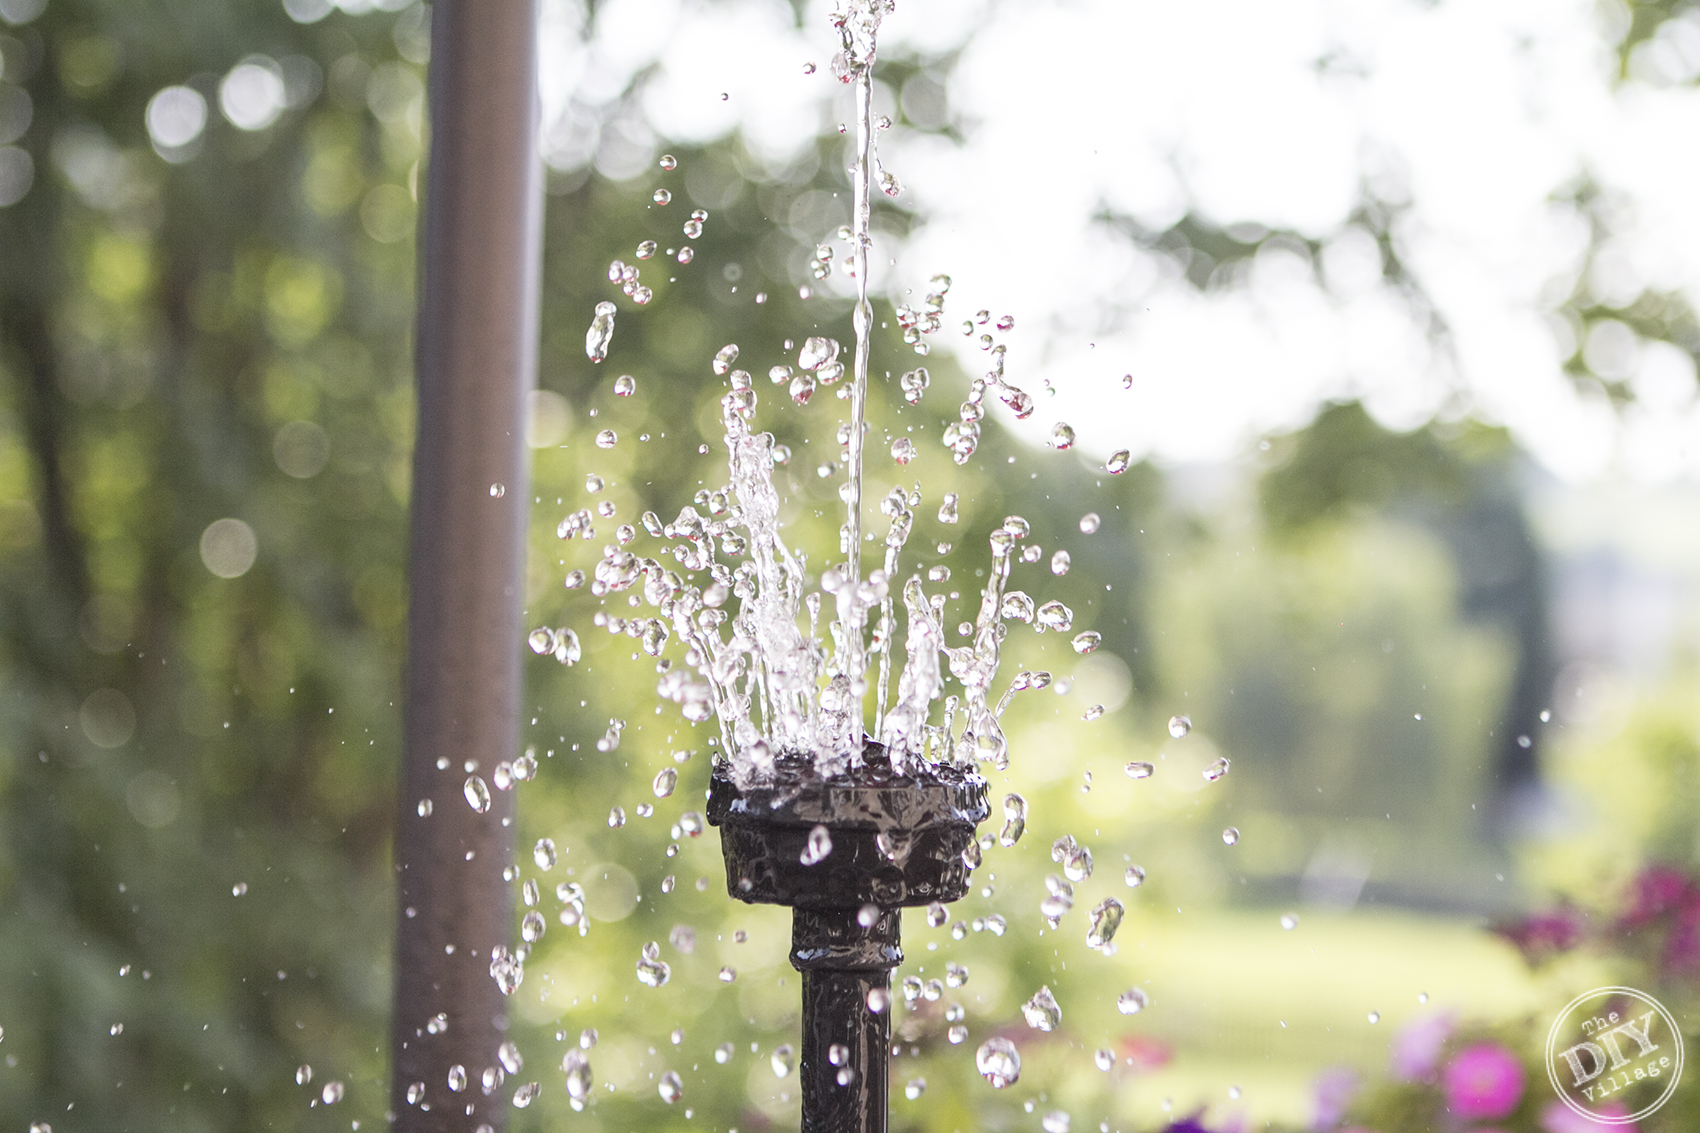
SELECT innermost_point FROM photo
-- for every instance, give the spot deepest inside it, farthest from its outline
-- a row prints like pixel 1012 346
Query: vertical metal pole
pixel 475 360
pixel 845 1067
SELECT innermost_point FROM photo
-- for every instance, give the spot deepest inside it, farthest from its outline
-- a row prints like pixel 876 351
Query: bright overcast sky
pixel 1478 112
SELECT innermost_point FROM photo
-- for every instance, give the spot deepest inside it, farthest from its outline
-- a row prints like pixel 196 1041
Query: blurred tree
pixel 204 304
pixel 1464 483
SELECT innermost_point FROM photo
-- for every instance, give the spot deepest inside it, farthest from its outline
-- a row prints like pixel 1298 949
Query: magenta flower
pixel 1416 1048
pixel 1541 935
pixel 1191 1124
pixel 1655 891
pixel 1334 1090
pixel 1682 944
pixel 1484 1081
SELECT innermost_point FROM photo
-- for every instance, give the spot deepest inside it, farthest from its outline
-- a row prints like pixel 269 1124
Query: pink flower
pixel 1334 1090
pixel 1682 944
pixel 1541 935
pixel 1483 1081
pixel 1416 1048
pixel 1560 1118
pixel 1655 891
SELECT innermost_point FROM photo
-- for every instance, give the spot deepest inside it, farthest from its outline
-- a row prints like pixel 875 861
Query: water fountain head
pixel 847 852
pixel 891 839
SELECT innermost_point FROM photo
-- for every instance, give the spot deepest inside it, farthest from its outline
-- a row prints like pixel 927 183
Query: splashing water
pixel 770 689
pixel 733 598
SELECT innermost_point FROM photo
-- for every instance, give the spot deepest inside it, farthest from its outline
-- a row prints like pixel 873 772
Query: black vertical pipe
pixel 845 1068
pixel 475 361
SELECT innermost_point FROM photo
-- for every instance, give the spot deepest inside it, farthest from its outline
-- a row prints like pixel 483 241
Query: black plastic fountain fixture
pixel 896 840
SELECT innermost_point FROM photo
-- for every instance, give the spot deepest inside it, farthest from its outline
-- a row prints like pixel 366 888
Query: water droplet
pixel 1089 523
pixel 1077 863
pixel 868 915
pixel 1062 436
pixel 532 927
pixel 607 438
pixel 1017 607
pixel 837 1054
pixel 728 974
pixel 424 808
pixel 1106 919
pixel 782 1060
pixel 526 1094
pixel 1422 997
pixel 240 889
pixel 601 332
pixel 1042 1011
pixel 625 385
pixel 998 1062
pixel 1087 641
pixel 497 491
pixel 576 1063
pixel 878 1000
pixel 671 1087
pixel 1105 1060
pixel 617 817
pixel 1218 769
pixel 1374 1017
pixel 957 1035
pixel 914 1088
pixel 1056 1121
pixel 508 1055
pixel 818 846
pixel 303 1074
pixel 955 975
pixel 903 450
pixel 457 1077
pixel 477 794
pixel 1179 726
pixel 544 853
pixel 415 1092
pixel 661 197
pixel 665 780
pixel 1120 461
pixel 332 1093
pixel 1055 616
pixel 1289 921
pixel 1015 820
pixel 652 970
pixel 817 353
pixel 1132 1001
pixel 1060 563
pixel 1231 835
pixel 669 162
pixel 723 358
